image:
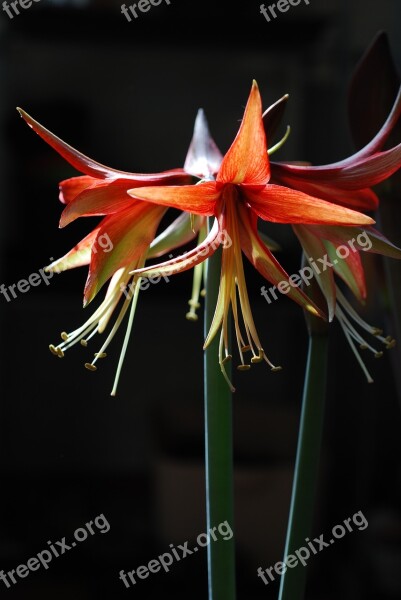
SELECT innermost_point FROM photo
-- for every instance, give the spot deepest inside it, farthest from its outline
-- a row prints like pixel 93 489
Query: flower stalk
pixel 218 451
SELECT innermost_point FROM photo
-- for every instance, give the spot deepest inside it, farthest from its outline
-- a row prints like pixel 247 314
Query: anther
pixel 276 369
pixel 245 349
pixel 53 349
pixel 100 354
pixel 203 293
pixel 378 354
pixel 391 343
pixel 191 316
pixel 84 343
pixel 243 367
pixel 363 347
pixel 90 367
pixel 226 359
pixel 193 303
pixel 64 336
pixel 259 358
pixel 60 353
pixel 377 331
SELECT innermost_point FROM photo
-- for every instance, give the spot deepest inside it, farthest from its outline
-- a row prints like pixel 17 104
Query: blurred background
pixel 126 94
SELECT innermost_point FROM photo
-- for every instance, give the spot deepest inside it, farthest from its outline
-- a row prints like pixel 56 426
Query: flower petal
pixel 181 231
pixel 284 205
pixel 204 158
pixel 350 270
pixel 315 249
pixel 105 197
pixel 130 232
pixel 199 199
pixel 188 260
pixel 247 161
pixel 363 199
pixel 264 261
pixel 71 188
pixel 366 239
pixel 79 256
pixel 90 167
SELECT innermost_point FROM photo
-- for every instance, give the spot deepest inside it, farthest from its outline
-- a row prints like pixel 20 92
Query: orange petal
pixel 188 260
pixel 264 261
pixel 283 205
pixel 71 188
pixel 79 256
pixel 105 197
pixel 199 199
pixel 247 161
pixel 122 238
pixel 88 166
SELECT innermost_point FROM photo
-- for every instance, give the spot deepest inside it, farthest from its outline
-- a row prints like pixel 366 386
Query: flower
pixel 128 225
pixel 242 193
pixel 346 183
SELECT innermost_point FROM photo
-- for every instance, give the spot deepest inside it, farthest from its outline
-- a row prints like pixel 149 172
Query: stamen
pixel 64 336
pixel 197 279
pixel 243 367
pixel 90 367
pixel 281 143
pixel 53 350
pixel 102 355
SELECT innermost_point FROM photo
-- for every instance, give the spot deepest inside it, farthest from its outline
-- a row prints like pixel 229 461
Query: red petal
pixel 102 198
pixel 247 161
pixel 283 205
pixel 90 167
pixel 315 249
pixel 70 188
pixel 127 234
pixel 199 199
pixel 363 200
pixel 79 256
pixel 353 174
pixel 188 260
pixel 264 261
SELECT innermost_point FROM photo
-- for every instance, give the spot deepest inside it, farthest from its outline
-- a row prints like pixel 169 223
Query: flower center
pixel 233 294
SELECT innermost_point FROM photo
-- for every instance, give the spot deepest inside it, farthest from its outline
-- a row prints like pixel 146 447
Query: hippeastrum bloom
pixel 346 183
pixel 242 193
pixel 124 238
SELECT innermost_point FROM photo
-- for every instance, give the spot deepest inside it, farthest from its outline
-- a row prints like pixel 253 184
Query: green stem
pixel 218 453
pixel 292 585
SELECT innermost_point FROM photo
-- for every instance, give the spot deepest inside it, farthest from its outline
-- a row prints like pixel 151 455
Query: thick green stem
pixel 219 453
pixel 292 585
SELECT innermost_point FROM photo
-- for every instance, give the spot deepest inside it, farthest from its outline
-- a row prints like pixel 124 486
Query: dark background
pixel 127 94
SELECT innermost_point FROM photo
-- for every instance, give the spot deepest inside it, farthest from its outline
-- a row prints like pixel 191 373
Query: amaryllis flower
pixel 346 183
pixel 123 240
pixel 241 193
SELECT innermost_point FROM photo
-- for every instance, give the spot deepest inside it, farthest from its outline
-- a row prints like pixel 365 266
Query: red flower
pixel 241 193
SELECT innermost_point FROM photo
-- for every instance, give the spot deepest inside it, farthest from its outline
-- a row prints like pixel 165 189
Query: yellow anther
pixel 259 357
pixel 64 336
pixel 100 354
pixel 203 293
pixel 84 343
pixel 378 354
pixel 60 353
pixel 276 369
pixel 363 347
pixel 193 303
pixel 245 349
pixel 191 316
pixel 377 331
pixel 243 367
pixel 53 350
pixel 226 359
pixel 391 343
pixel 90 367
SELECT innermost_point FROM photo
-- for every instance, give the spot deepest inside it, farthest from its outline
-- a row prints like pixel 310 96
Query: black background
pixel 127 94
